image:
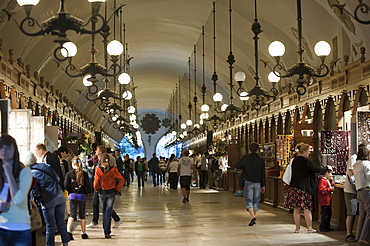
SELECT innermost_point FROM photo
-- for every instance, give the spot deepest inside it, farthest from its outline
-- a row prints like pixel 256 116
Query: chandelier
pixel 303 70
pixel 60 23
pixel 257 93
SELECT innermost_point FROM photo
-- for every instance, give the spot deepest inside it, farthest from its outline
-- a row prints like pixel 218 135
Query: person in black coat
pixel 302 188
pixel 254 180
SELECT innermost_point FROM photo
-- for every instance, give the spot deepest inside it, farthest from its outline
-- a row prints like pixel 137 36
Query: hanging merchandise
pixel 363 126
pixel 335 150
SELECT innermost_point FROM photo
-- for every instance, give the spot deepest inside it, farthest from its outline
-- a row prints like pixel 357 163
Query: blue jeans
pixel 15 238
pixel 252 194
pixel 106 203
pixel 55 215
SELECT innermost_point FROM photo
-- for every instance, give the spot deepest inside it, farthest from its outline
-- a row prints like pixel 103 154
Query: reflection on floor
pixel 157 216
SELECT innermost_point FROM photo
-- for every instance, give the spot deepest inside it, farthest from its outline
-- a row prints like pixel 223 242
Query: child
pixel 325 188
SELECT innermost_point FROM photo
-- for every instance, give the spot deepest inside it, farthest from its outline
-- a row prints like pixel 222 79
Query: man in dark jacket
pixel 52 160
pixel 154 169
pixel 254 180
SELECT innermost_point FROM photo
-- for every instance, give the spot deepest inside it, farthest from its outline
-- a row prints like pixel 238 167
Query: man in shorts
pixel 186 169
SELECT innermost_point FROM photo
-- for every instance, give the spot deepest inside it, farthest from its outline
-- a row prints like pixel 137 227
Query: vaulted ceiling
pixel 161 35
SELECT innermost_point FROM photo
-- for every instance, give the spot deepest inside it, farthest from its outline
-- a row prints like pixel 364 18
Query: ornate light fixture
pixel 362 10
pixel 322 49
pixel 257 93
pixel 60 23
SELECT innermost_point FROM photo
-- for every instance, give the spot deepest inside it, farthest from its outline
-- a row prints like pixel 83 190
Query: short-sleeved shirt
pixel 185 164
pixel 348 188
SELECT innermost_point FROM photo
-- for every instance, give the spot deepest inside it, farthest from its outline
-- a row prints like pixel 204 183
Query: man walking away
pixel 254 180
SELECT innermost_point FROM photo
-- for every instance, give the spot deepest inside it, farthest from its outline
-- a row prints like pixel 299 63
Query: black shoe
pixel 84 236
pixel 184 200
pixel 70 236
pixel 108 236
pixel 252 222
pixel 351 238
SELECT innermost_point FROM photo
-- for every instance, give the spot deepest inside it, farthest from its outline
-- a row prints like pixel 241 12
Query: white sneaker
pixel 118 223
pixel 92 225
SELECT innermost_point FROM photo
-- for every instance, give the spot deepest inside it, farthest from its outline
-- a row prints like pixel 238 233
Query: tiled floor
pixel 157 216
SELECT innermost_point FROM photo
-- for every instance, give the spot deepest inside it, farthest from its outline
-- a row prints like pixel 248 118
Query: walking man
pixel 185 169
pixel 254 180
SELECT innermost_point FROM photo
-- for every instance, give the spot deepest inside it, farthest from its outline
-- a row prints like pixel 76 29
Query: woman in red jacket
pixel 325 188
pixel 105 183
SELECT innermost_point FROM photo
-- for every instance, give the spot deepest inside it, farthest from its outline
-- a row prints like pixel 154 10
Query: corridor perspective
pixel 157 216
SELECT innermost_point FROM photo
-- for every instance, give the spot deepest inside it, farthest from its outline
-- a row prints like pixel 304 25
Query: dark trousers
pixel 140 178
pixel 173 180
pixel 95 204
pixel 325 217
pixel 203 178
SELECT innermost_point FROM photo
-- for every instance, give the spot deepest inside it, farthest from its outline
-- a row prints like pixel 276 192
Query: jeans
pixel 15 238
pixel 106 203
pixel 252 194
pixel 55 215
pixel 95 203
pixel 140 178
pixel 155 178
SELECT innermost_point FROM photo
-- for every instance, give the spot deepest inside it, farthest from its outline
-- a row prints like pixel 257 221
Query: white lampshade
pixel 85 80
pixel 114 117
pixel 127 95
pixel 243 96
pixel 185 133
pixel 239 76
pixel 69 49
pixel 322 48
pixel 189 122
pixel 28 2
pixel 132 117
pixel 201 121
pixel 136 125
pixel 197 126
pixel 204 108
pixel 273 78
pixel 276 48
pixel 131 109
pixel 224 106
pixel 97 1
pixel 124 78
pixel 174 133
pixel 217 97
pixel 204 116
pixel 181 135
pixel 183 126
pixel 115 48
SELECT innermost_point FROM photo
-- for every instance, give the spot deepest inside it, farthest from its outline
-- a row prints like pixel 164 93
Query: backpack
pixel 214 166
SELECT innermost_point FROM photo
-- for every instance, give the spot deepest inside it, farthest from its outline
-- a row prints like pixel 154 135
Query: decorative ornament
pixel 150 123
pixel 166 122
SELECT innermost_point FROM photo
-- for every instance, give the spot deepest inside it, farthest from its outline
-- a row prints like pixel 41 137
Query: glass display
pixel 19 128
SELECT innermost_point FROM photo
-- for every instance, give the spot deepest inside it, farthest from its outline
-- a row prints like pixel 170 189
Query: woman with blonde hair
pixel 105 183
pixel 303 187
pixel 78 186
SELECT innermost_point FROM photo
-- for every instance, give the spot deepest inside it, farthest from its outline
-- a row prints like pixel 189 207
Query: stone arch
pixel 273 129
pixel 287 123
pixel 360 100
pixel 280 128
pixel 330 119
pixel 344 105
pixel 317 128
pixel 267 131
pixel 261 134
pixel 296 116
